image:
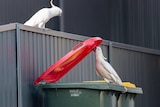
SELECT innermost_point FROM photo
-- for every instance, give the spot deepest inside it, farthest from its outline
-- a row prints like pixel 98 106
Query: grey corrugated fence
pixel 25 52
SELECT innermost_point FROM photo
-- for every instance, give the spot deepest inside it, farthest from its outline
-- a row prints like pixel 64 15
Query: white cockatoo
pixel 104 69
pixel 40 18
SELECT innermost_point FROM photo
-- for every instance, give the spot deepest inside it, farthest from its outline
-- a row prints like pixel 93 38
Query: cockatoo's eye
pixel 99 49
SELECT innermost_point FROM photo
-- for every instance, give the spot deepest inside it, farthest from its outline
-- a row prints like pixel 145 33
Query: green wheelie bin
pixel 81 94
pixel 88 94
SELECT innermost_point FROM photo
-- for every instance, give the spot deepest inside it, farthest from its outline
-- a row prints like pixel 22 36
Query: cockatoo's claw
pixel 106 80
pixel 46 29
pixel 125 90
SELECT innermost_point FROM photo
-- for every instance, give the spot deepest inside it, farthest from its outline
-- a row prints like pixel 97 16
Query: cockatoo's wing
pixel 39 17
pixel 110 69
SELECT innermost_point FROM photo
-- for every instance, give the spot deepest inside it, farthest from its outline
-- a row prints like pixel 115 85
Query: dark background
pixel 133 22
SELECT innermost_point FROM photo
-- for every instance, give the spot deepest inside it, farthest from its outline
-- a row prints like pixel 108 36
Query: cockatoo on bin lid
pixel 40 18
pixel 104 69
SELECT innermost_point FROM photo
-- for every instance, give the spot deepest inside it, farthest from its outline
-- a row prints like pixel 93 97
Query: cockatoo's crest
pixel 51 2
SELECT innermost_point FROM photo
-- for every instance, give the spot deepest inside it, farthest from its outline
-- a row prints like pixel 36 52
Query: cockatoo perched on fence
pixel 104 69
pixel 40 18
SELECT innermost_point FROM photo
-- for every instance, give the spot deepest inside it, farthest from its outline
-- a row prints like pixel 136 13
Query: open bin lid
pixel 63 65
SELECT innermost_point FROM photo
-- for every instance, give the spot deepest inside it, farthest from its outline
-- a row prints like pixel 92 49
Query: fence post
pixel 110 53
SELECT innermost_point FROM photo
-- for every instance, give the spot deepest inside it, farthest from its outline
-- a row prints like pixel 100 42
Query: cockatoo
pixel 104 69
pixel 40 18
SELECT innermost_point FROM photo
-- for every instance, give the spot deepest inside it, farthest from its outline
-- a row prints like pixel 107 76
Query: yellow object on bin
pixel 125 84
pixel 128 84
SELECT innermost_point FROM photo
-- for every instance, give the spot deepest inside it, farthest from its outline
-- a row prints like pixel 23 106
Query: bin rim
pixel 88 85
pixel 136 90
pixel 93 85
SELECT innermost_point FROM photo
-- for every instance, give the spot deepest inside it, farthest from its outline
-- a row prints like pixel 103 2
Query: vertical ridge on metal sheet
pixel 18 62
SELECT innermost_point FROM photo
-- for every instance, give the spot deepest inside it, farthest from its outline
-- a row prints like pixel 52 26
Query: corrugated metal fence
pixel 25 52
pixel 8 80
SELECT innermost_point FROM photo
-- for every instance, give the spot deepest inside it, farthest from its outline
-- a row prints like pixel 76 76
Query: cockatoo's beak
pixel 100 54
pixel 60 13
pixel 94 49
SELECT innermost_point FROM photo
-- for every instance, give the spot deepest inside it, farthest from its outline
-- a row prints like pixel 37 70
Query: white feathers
pixel 40 18
pixel 104 69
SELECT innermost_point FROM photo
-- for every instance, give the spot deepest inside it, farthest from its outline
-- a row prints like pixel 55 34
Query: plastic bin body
pixel 81 94
pixel 128 99
pixel 72 98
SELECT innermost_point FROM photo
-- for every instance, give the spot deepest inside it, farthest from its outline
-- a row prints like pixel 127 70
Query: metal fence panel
pixel 25 52
pixel 39 50
pixel 8 80
pixel 140 68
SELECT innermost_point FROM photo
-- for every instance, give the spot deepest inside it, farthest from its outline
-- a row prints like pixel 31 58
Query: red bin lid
pixel 67 62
